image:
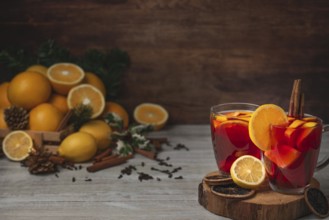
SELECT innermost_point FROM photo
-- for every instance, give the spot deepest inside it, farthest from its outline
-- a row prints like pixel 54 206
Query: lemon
pixel 17 145
pixel 100 130
pixel 248 172
pixel 78 147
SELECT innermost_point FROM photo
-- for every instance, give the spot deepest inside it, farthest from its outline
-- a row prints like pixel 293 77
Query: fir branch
pixel 15 61
pixel 81 114
pixel 50 52
pixel 109 65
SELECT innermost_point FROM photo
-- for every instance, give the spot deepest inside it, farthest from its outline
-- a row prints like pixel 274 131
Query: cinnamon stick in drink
pixel 296 104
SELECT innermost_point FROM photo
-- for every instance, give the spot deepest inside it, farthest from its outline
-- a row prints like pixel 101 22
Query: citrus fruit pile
pixel 48 93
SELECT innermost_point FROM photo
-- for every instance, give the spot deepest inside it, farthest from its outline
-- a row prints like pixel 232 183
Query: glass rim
pixel 233 103
pixel 305 115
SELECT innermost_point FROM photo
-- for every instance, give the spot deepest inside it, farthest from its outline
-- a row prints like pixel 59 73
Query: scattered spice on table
pixel 87 179
pixel 180 147
pixel 144 176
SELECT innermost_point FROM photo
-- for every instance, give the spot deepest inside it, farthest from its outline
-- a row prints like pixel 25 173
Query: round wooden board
pixel 264 205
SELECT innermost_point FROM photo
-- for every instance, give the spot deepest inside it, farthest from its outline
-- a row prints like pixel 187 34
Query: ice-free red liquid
pixel 291 161
pixel 230 138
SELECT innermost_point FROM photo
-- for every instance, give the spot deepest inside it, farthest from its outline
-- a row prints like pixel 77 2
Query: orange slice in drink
pixel 86 94
pixel 17 145
pixel 151 114
pixel 235 132
pixel 283 155
pixel 261 121
pixel 64 76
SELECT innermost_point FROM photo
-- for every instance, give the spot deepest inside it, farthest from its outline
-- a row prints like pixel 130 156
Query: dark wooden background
pixel 190 54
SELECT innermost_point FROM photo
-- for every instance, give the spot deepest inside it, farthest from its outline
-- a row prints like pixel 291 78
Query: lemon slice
pixel 248 172
pixel 17 145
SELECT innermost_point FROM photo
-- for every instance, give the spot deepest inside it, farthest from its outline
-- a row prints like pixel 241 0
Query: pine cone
pixel 17 118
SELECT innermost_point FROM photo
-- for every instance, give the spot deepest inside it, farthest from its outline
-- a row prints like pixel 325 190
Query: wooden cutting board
pixel 264 205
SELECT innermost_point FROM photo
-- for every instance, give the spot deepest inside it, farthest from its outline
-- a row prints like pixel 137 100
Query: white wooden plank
pixel 25 196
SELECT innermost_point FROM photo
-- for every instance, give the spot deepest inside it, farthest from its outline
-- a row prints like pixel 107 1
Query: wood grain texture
pixel 191 54
pixel 47 197
pixel 264 205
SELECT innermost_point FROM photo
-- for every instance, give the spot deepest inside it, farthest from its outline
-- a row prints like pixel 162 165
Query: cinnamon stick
pixel 103 154
pixel 145 153
pixel 106 164
pixel 296 104
pixel 65 120
pixel 109 157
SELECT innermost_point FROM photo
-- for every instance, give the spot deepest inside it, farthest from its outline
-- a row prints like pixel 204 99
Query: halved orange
pixel 261 121
pixel 151 114
pixel 17 145
pixel 86 94
pixel 64 76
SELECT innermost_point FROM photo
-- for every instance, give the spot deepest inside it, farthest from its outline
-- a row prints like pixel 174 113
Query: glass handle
pixel 325 161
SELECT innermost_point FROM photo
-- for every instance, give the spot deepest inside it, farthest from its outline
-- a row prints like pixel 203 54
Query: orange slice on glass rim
pixel 64 76
pixel 17 145
pixel 261 121
pixel 86 94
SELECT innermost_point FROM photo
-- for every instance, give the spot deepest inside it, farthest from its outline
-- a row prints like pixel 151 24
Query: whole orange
pixel 45 117
pixel 93 79
pixel 118 110
pixel 29 89
pixel 4 102
pixel 38 68
pixel 3 123
pixel 59 101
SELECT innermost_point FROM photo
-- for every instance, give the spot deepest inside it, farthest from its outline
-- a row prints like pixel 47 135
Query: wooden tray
pixel 264 205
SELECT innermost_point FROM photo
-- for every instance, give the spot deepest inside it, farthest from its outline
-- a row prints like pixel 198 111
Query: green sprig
pixel 109 65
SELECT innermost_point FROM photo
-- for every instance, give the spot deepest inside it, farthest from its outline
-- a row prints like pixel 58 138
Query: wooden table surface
pixel 105 196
